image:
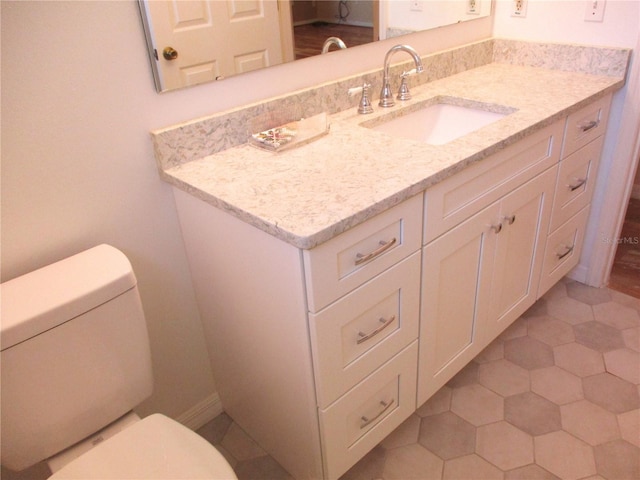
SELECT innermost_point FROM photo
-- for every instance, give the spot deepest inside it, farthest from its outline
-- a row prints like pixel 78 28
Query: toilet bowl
pixel 153 448
pixel 75 362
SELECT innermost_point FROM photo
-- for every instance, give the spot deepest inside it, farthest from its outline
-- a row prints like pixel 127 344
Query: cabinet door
pixel 525 215
pixel 456 276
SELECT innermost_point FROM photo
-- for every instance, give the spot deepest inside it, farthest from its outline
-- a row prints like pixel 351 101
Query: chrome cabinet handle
pixel 385 323
pixel 585 127
pixel 384 246
pixel 368 421
pixel 578 184
pixel 510 219
pixel 569 250
pixel 497 228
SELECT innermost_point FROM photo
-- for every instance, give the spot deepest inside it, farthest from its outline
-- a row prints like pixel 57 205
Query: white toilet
pixel 75 360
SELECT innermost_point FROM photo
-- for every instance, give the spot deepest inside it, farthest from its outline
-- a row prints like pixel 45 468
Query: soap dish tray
pixel 291 134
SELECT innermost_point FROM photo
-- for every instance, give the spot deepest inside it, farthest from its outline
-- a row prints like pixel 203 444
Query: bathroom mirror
pixel 197 41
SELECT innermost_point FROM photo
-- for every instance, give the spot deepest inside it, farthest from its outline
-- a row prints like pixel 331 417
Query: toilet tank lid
pixel 47 297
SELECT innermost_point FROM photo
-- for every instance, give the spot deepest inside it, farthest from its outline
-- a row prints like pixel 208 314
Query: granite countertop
pixel 307 195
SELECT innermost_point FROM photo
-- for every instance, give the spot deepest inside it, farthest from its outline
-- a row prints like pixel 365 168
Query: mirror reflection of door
pixel 213 39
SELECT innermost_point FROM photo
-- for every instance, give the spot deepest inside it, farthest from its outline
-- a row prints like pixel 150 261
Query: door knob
pixel 169 53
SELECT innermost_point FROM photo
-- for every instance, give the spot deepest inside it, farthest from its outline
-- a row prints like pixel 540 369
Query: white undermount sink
pixel 438 123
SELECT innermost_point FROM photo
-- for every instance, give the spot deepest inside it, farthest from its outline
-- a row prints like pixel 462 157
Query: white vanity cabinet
pixel 581 152
pixel 314 352
pixel 482 274
pixel 319 354
pixel 363 290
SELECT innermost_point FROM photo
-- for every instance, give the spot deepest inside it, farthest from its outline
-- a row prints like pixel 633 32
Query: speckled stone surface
pixel 309 194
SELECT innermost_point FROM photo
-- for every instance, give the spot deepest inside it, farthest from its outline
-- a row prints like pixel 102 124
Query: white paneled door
pixel 198 41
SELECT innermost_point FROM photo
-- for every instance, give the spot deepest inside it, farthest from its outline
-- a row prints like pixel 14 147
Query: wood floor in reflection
pixel 309 38
pixel 625 274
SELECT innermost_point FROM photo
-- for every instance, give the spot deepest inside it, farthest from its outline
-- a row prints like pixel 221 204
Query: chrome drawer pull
pixel 368 421
pixel 385 323
pixel 585 127
pixel 562 255
pixel 578 184
pixel 497 228
pixel 510 219
pixel 384 246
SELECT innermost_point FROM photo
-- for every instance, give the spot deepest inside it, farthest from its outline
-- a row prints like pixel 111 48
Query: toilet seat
pixel 156 447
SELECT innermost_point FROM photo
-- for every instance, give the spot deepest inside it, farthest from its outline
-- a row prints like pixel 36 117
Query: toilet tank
pixel 74 353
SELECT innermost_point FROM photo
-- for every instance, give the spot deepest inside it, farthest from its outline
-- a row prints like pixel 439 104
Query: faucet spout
pixel 386 97
pixel 332 41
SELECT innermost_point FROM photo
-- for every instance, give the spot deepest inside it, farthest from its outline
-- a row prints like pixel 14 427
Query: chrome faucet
pixel 332 41
pixel 386 97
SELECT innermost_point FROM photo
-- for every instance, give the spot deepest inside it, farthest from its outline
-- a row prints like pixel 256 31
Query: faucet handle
pixel 403 92
pixel 365 104
pixel 408 73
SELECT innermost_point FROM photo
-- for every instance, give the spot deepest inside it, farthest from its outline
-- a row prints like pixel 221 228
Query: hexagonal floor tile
pixel 406 434
pixel 240 445
pixel 504 377
pixel 589 422
pixel 578 359
pixel 611 393
pixel 631 337
pixel 559 290
pixel 447 435
pixel 570 310
pixel 598 336
pixel 411 462
pixel 470 467
pixel 618 459
pixel 528 353
pixel 466 376
pixel 370 466
pixel 477 404
pixel 532 413
pixel 557 385
pixel 629 423
pixel 586 294
pixel 564 455
pixel 515 330
pixel 537 309
pixel 494 351
pixel 624 363
pixel 504 445
pixel 624 299
pixel 550 330
pixel 530 472
pixel 616 315
pixel 438 403
pixel 261 467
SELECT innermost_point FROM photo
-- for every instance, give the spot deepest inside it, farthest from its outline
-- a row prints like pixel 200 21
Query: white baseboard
pixel 579 274
pixel 202 412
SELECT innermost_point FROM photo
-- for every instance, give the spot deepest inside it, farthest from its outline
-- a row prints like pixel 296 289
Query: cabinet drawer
pixel 355 335
pixel 563 250
pixel 367 414
pixel 455 199
pixel 357 255
pixel 585 125
pixel 576 182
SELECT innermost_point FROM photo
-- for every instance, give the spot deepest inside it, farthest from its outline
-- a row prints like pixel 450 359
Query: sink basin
pixel 437 124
